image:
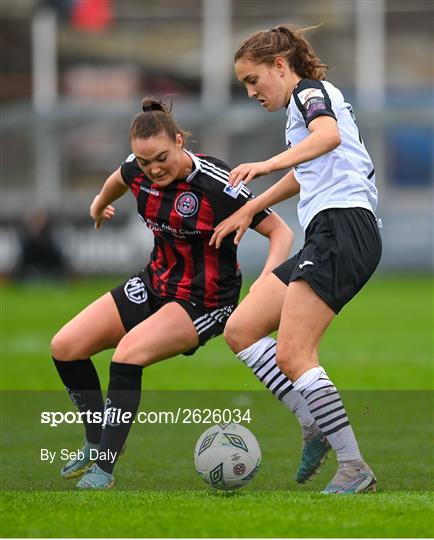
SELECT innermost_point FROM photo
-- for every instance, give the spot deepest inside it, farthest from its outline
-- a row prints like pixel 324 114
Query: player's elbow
pixel 334 140
pixel 281 232
pixel 274 226
pixel 283 239
pixel 288 234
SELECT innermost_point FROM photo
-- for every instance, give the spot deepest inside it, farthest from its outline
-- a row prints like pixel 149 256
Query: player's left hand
pixel 98 214
pixel 247 171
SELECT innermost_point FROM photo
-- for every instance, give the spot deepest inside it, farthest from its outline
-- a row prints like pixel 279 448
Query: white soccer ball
pixel 227 456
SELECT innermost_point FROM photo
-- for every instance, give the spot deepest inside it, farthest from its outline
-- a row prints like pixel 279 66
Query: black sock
pixel 123 397
pixel 83 386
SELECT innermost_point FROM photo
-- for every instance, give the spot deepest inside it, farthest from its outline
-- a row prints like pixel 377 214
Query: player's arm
pixel 280 238
pixel 240 220
pixel 113 188
pixel 324 137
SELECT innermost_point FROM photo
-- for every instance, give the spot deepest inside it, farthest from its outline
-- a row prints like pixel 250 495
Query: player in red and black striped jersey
pixel 182 217
pixel 179 301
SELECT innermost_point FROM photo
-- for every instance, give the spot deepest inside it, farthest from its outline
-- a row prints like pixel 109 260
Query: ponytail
pixel 266 45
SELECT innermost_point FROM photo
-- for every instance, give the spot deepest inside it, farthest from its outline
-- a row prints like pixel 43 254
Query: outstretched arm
pixel 240 220
pixel 113 188
pixel 323 137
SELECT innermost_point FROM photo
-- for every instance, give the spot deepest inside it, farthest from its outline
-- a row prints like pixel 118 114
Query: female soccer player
pixel 334 175
pixel 178 302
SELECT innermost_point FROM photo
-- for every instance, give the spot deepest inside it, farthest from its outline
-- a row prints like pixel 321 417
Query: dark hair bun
pixel 151 106
pixel 146 124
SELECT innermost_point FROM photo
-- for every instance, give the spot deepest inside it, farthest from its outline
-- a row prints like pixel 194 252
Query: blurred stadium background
pixel 72 76
pixel 73 73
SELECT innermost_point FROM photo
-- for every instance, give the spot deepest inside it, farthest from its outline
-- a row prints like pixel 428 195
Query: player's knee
pixel 60 347
pixel 127 352
pixel 230 335
pixel 287 360
pixel 236 336
pixel 294 359
pixel 66 346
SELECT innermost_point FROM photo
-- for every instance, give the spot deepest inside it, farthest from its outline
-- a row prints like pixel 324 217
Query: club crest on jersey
pixel 186 204
pixel 136 291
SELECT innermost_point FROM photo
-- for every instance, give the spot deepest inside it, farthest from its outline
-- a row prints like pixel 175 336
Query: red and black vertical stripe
pixel 210 256
pixel 149 207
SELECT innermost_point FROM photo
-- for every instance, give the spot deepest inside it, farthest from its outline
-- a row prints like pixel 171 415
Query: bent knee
pixel 61 347
pixel 66 347
pixel 287 363
pixel 230 336
pixel 236 336
pixel 295 360
pixel 235 339
pixel 129 351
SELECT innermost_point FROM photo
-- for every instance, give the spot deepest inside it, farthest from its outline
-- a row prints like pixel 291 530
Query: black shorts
pixel 136 301
pixel 342 249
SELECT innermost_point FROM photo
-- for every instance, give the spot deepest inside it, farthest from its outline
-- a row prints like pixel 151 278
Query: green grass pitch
pixel 379 351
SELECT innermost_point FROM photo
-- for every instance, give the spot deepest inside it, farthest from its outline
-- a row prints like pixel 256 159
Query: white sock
pixel 326 406
pixel 261 358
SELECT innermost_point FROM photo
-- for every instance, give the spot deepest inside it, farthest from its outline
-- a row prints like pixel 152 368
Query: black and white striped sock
pixel 261 358
pixel 325 404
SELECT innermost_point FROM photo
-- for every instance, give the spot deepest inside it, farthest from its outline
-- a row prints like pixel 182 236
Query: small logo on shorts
pixel 186 204
pixel 305 263
pixel 136 291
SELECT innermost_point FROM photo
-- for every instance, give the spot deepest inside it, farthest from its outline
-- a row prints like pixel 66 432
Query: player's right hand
pixel 247 172
pixel 98 214
pixel 239 221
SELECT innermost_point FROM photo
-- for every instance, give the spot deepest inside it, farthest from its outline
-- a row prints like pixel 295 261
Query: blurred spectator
pixel 84 15
pixel 41 255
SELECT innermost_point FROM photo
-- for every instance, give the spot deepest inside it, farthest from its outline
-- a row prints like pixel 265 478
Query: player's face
pixel 267 84
pixel 160 158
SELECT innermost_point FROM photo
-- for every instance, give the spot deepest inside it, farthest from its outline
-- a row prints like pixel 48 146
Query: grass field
pixel 380 351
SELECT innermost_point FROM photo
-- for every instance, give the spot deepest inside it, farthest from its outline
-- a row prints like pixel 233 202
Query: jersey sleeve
pixel 312 100
pixel 224 198
pixel 240 195
pixel 130 170
pixel 228 200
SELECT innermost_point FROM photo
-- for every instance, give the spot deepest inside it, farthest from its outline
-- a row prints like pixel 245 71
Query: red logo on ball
pixel 239 469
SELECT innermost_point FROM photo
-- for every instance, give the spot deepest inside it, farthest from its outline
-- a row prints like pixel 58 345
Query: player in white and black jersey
pixel 179 301
pixel 334 175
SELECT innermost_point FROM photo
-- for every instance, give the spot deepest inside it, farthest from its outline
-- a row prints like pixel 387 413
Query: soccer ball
pixel 227 456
